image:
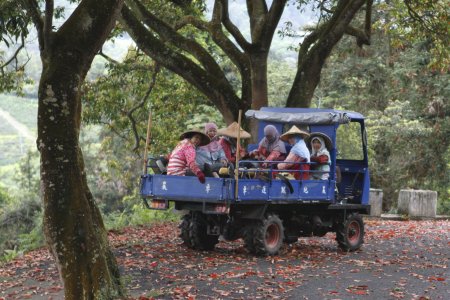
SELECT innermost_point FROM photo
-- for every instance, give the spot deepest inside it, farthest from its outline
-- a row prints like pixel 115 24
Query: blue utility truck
pixel 266 208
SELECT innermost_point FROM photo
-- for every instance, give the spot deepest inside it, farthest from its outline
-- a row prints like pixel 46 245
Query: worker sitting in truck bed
pixel 320 155
pixel 299 155
pixel 270 148
pixel 182 159
pixel 211 157
pixel 228 141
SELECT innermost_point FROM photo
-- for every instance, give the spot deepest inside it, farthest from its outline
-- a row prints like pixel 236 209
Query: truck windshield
pixel 349 142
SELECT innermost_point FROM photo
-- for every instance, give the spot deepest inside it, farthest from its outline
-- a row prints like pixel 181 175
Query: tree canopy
pixel 168 39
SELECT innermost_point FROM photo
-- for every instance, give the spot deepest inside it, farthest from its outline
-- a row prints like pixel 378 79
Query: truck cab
pixel 263 207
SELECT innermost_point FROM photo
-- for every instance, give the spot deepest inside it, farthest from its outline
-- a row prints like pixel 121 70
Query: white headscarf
pixel 300 148
pixel 323 149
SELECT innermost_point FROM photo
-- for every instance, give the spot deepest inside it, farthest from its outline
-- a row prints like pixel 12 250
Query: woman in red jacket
pixel 228 141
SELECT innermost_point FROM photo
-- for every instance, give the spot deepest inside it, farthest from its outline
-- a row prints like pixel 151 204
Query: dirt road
pixel 399 260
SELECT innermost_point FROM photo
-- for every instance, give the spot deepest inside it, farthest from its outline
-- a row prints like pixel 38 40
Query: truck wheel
pixel 185 225
pixel 199 237
pixel 350 234
pixel 248 236
pixel 269 236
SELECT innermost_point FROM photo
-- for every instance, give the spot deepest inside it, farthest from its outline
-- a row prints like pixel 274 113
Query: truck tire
pixel 185 225
pixel 199 237
pixel 350 234
pixel 248 236
pixel 268 235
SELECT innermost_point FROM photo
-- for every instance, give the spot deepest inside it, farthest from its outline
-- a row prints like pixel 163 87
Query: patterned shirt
pixel 182 158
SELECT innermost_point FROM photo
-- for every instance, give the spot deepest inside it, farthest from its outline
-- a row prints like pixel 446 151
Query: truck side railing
pixel 253 167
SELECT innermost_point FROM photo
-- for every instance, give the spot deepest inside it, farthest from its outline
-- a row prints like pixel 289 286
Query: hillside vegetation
pixel 14 145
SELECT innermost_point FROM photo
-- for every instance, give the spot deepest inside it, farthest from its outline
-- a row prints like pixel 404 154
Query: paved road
pixel 400 260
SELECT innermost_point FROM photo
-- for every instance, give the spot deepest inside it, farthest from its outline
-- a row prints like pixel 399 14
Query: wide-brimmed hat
pixel 293 132
pixel 204 140
pixel 325 138
pixel 232 131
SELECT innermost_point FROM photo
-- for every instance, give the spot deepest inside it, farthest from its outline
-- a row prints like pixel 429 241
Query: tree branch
pixel 32 8
pixel 209 85
pixel 113 129
pixel 14 56
pixel 215 31
pixel 141 104
pixel 89 39
pixel 257 11
pixel 108 58
pixel 168 34
pixel 273 17
pixel 316 48
pixel 232 29
pixel 415 16
pixel 361 36
pixel 48 22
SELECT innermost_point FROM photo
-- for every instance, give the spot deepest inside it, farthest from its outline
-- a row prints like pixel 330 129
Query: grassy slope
pixel 12 146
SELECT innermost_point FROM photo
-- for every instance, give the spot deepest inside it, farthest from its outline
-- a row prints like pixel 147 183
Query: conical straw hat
pixel 293 132
pixel 232 131
pixel 205 140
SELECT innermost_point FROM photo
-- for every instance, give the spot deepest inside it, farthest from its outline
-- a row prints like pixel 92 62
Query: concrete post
pixel 417 203
pixel 376 202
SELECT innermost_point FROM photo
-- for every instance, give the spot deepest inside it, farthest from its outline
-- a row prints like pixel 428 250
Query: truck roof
pixel 305 116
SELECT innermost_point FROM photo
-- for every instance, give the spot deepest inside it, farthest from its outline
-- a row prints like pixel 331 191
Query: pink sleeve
pixel 288 162
pixel 189 153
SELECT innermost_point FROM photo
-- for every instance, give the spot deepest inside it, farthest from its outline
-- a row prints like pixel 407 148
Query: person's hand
pixel 200 176
pixel 224 162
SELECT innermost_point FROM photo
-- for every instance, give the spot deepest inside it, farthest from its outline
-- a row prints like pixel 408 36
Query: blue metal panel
pixel 188 187
pixel 253 189
pixel 146 185
pixel 280 191
pixel 366 188
pixel 316 190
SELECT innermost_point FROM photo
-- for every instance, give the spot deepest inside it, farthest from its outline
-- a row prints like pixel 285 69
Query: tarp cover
pixel 319 118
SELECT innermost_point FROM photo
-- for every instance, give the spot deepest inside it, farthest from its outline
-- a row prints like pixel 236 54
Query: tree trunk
pixel 259 80
pixel 259 87
pixel 307 79
pixel 73 225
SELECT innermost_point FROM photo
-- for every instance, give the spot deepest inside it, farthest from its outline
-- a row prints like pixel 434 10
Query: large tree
pixel 73 225
pixel 170 42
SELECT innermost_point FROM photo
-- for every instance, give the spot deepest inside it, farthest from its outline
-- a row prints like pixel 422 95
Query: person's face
pixel 316 144
pixel 196 139
pixel 291 140
pixel 270 137
pixel 211 132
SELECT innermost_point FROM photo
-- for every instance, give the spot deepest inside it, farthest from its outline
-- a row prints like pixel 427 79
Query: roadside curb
pixel 396 217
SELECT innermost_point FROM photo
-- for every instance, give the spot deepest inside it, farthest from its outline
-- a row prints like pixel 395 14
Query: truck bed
pixel 216 190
